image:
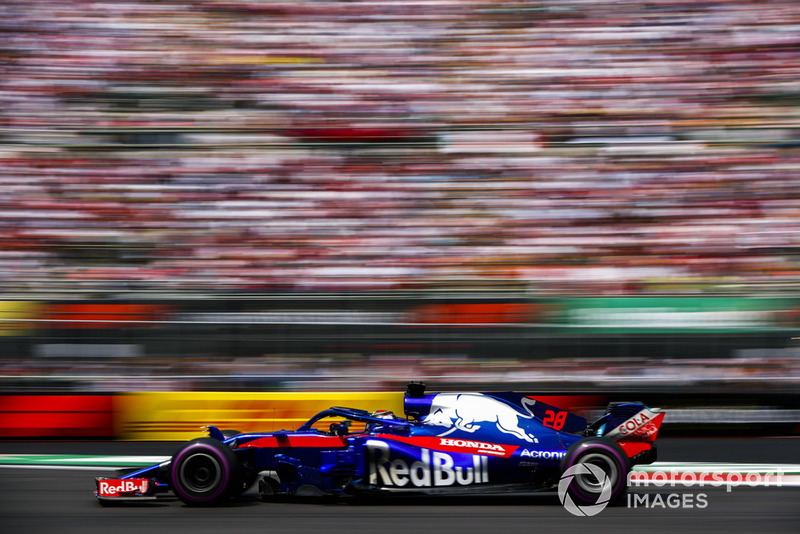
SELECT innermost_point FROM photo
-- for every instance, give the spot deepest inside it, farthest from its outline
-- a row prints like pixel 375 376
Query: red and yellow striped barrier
pixel 170 416
pixel 56 416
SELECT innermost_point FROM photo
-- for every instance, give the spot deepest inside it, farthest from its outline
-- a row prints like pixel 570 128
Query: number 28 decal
pixel 554 420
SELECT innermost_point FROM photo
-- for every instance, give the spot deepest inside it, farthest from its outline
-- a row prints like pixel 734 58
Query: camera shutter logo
pixel 584 470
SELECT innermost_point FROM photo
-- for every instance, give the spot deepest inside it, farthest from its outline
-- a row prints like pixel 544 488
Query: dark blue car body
pixel 447 442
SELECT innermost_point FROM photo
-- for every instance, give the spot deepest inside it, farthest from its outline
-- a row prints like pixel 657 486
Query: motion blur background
pixel 305 195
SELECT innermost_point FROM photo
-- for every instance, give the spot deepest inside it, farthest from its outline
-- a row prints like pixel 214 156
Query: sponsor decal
pixel 122 487
pixel 543 455
pixel 643 426
pixel 433 469
pixel 468 411
pixel 462 445
pixel 455 445
pixel 633 424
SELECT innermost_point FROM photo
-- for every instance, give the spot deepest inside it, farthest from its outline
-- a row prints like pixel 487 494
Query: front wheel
pixel 594 473
pixel 204 471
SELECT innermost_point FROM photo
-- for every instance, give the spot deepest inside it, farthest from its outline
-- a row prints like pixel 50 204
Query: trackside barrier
pixel 171 416
pixel 57 416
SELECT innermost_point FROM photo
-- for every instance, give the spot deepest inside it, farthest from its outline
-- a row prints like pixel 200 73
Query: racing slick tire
pixel 248 477
pixel 582 485
pixel 205 472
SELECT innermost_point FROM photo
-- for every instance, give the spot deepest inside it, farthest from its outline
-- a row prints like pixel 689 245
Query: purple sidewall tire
pixel 611 452
pixel 219 463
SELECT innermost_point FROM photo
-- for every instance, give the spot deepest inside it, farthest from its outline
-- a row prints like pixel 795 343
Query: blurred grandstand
pixel 216 156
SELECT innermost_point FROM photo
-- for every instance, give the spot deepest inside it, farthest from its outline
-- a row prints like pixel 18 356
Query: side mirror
pixel 416 390
pixel 341 428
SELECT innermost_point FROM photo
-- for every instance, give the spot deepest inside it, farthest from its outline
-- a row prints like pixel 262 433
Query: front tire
pixel 205 472
pixel 584 487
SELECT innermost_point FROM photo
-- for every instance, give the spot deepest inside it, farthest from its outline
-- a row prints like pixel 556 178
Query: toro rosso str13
pixel 447 442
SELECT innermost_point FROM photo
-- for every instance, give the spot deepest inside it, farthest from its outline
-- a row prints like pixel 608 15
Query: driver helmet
pixel 383 414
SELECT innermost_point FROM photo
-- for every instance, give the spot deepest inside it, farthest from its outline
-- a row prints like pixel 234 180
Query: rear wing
pixel 631 421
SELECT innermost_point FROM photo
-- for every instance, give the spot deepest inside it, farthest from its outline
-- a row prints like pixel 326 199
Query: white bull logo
pixel 463 411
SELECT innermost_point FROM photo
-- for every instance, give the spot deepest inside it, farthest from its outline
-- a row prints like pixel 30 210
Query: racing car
pixel 446 442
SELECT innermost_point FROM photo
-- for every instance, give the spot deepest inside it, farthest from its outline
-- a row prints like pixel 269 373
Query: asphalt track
pixel 45 500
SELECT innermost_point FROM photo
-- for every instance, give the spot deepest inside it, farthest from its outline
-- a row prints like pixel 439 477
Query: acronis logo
pixel 545 455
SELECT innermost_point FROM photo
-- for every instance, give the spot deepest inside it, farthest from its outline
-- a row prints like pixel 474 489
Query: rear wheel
pixel 206 472
pixel 594 472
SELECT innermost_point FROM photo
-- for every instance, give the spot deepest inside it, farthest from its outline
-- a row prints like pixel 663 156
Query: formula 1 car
pixel 448 442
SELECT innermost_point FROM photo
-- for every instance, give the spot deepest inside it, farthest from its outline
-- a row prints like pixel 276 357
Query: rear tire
pixel 585 488
pixel 205 472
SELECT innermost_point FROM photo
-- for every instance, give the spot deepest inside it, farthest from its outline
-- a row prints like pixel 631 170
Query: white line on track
pixel 790 473
pixel 66 467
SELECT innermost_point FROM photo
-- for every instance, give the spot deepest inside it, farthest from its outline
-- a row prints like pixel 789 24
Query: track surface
pixel 43 501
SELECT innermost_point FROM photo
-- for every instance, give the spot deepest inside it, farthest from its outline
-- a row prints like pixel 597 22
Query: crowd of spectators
pixel 571 146
pixel 391 373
